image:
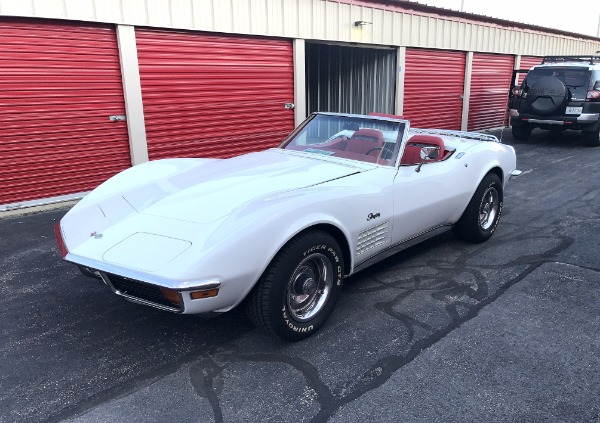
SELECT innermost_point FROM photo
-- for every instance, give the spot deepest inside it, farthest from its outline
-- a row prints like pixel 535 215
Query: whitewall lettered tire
pixel 298 290
pixel 480 219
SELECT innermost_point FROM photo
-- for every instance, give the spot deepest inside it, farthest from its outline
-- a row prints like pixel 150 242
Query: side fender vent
pixel 371 238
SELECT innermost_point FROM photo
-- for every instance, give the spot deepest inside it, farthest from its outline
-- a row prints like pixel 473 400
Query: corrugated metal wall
pixel 433 88
pixel 311 20
pixel 350 79
pixel 58 86
pixel 214 96
pixel 490 82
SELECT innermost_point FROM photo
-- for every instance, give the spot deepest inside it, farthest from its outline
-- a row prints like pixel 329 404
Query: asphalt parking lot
pixel 446 331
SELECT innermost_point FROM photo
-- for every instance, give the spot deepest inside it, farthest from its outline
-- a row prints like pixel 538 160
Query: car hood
pixel 210 190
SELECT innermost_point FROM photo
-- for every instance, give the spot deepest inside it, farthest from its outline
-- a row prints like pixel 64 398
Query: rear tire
pixel 521 133
pixel 592 138
pixel 480 219
pixel 298 290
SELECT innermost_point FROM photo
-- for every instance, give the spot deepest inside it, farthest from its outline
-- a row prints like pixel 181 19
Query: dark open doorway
pixel 350 79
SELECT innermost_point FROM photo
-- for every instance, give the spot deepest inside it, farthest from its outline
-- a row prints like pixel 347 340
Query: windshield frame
pixel 403 134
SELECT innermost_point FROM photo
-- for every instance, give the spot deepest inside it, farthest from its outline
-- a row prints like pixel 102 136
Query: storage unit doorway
pixel 348 79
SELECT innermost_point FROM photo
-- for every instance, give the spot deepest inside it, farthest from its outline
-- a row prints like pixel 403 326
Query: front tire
pixel 298 290
pixel 480 219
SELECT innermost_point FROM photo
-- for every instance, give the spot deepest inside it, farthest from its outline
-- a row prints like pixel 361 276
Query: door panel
pixel 426 199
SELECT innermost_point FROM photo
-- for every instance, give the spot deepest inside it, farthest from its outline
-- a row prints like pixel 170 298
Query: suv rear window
pixel 575 79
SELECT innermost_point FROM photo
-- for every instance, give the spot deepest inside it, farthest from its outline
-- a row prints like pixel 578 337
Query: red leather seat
pixel 364 141
pixel 412 151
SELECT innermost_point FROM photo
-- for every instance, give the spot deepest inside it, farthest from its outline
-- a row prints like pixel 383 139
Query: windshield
pixel 350 137
pixel 574 78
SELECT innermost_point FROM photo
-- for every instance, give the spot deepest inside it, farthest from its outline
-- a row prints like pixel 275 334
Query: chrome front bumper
pixel 149 290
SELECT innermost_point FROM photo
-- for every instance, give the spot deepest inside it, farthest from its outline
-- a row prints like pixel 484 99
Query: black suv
pixel 563 92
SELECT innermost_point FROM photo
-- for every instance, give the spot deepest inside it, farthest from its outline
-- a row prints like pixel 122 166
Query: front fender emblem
pixel 372 216
pixel 96 235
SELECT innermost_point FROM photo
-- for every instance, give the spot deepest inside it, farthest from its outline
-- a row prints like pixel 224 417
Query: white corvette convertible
pixel 278 230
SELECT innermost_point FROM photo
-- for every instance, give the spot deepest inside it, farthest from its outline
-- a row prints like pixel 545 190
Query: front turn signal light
pixel 198 295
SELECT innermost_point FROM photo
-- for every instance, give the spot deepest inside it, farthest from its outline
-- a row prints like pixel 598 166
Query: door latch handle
pixel 117 118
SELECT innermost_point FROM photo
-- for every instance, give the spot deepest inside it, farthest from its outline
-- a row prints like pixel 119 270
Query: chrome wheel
pixel 309 287
pixel 488 210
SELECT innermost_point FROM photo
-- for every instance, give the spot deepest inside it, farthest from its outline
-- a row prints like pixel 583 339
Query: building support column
pixel 299 81
pixel 517 67
pixel 132 89
pixel 400 73
pixel 464 126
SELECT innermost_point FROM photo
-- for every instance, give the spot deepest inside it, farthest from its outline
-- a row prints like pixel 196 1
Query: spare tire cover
pixel 546 95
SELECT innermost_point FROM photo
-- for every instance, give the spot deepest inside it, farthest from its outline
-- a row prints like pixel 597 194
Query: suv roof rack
pixel 557 59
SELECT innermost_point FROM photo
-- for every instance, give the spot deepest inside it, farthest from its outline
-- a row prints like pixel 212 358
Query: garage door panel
pixel 490 82
pixel 59 83
pixel 214 96
pixel 433 86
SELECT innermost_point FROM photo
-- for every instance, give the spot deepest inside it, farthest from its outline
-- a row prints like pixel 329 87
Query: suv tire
pixel 521 132
pixel 592 138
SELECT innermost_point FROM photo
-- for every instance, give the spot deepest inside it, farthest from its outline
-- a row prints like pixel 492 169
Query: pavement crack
pixel 202 375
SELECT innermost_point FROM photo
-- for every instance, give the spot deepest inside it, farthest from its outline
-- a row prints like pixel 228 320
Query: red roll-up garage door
pixel 214 96
pixel 59 84
pixel 527 62
pixel 490 81
pixel 433 88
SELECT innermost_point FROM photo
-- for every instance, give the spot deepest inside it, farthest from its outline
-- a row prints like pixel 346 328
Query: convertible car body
pixel 278 230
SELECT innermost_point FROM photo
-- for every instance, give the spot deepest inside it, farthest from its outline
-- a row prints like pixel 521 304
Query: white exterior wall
pixel 310 20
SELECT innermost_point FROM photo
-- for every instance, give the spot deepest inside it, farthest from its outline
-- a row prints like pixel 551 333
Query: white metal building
pixel 91 87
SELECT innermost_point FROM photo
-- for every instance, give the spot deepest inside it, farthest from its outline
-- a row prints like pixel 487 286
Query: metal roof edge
pixel 440 12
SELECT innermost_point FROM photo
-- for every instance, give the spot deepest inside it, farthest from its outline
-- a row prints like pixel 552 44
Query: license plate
pixel 574 110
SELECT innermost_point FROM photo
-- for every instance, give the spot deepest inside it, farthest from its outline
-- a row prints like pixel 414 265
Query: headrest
pixel 427 139
pixel 368 134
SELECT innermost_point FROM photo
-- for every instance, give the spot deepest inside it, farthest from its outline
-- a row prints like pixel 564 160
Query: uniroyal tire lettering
pixel 292 326
pixel 497 218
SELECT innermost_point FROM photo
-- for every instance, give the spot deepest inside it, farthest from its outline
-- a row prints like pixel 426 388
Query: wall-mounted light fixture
pixel 362 23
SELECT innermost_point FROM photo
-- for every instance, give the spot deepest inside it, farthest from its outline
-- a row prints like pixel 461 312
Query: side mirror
pixel 430 153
